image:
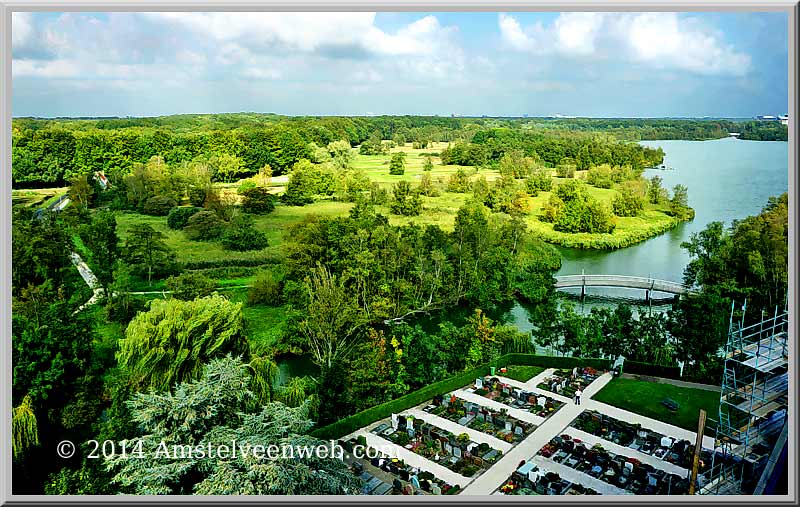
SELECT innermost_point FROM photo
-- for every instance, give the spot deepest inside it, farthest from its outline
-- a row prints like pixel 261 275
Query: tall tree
pixel 147 253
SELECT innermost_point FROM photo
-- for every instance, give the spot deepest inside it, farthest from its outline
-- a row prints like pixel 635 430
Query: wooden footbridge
pixel 649 285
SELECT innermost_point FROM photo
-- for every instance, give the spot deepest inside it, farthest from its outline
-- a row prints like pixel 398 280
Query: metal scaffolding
pixel 753 403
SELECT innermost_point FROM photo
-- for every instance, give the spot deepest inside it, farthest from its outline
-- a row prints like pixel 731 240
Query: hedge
pixel 651 370
pixel 225 263
pixel 365 417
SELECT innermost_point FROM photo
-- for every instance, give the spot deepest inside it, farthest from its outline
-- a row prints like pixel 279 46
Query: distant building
pixel 767 117
pixel 784 119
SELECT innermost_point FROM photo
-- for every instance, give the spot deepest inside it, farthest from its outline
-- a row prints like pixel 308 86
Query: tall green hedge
pixel 365 417
pixel 652 370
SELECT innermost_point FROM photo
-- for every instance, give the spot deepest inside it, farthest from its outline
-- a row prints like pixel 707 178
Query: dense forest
pixel 51 152
pixel 208 273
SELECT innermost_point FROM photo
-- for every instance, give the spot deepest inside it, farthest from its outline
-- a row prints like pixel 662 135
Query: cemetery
pixel 531 479
pixel 494 389
pixel 494 423
pixel 456 452
pixel 407 480
pixel 565 382
pixel 623 472
pixel 633 436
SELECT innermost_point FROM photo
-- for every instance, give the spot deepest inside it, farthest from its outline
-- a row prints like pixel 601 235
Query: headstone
pixel 436 490
pixel 448 448
pixel 509 426
pixel 468 406
pixel 481 416
pixel 438 446
pixel 518 430
pixel 479 383
pixel 506 390
pixel 517 393
pixel 471 446
pixel 541 401
pixel 446 402
pixel 488 417
pixel 411 432
pixel 395 421
pixel 457 452
pixel 415 481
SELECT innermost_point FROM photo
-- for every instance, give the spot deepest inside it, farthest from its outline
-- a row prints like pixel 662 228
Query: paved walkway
pixel 576 477
pixel 413 459
pixel 502 469
pixel 538 379
pixel 522 415
pixel 610 446
pixel 457 429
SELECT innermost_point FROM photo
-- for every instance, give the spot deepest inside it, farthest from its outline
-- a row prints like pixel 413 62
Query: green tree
pixel 629 202
pixel 656 193
pixel 100 237
pixel 179 216
pixel 171 342
pixel 241 235
pixel 406 200
pixel 397 165
pixel 428 164
pixel 679 204
pixel 147 253
pixel 426 186
pixel 214 411
pixel 307 180
pixel 258 200
pixel 190 285
pixel 342 154
pixel 203 226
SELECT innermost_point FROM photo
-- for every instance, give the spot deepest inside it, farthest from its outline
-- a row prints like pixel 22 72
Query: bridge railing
pixel 621 281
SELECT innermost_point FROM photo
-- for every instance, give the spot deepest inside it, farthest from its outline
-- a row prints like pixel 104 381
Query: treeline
pixel 50 152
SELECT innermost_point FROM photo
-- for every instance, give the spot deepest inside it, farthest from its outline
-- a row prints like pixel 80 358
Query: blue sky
pixel 581 64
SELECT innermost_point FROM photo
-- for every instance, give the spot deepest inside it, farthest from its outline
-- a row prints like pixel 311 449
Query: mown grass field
pixel 645 398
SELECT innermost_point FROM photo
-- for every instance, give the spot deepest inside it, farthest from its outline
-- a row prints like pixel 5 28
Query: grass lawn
pixel 645 398
pixel 522 373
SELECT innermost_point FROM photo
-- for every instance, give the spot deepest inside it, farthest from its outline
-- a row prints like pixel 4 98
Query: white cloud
pixel 21 28
pixel 661 40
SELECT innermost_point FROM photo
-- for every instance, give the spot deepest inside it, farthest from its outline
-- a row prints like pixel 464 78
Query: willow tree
pixel 25 429
pixel 172 341
pixel 213 412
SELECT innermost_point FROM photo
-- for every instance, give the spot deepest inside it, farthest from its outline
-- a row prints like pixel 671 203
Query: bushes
pixel 600 176
pixel 204 225
pixel 188 286
pixel 257 200
pixel 406 201
pixel 459 182
pixel 651 370
pixel 397 165
pixel 179 216
pixel 629 202
pixel 158 205
pixel 267 289
pixel 242 236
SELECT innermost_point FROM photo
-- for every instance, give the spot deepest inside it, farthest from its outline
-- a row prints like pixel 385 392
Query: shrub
pixel 397 166
pixel 246 185
pixel 377 194
pixel 600 176
pixel 179 216
pixel 426 186
pixel 405 200
pixel 266 290
pixel 458 182
pixel 158 205
pixel 197 196
pixel 428 164
pixel 258 200
pixel 629 202
pixel 204 225
pixel 188 286
pixel 242 236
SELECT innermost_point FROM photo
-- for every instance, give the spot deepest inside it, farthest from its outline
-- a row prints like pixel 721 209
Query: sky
pixel 731 64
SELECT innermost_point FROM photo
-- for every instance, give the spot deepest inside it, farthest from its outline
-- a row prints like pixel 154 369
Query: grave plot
pixel 617 470
pixel 493 389
pixel 633 436
pixel 531 479
pixel 565 382
pixel 456 452
pixel 414 477
pixel 485 420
